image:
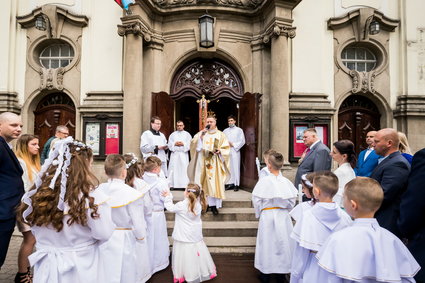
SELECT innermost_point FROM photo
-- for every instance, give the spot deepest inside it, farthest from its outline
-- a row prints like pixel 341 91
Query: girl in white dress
pixel 191 260
pixel 307 184
pixel 27 152
pixel 343 153
pixel 68 217
pixel 134 179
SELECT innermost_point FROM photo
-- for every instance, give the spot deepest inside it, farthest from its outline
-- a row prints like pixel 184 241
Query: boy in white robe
pixel 159 246
pixel 265 171
pixel 121 262
pixel 273 197
pixel 315 226
pixel 365 252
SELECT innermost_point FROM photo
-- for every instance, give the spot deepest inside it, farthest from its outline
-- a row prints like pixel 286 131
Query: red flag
pixel 118 2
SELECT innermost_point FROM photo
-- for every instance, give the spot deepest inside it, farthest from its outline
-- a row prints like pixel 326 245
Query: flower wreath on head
pixel 132 161
pixel 59 156
pixel 307 182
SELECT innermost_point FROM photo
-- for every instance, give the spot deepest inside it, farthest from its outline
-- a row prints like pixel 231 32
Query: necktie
pixel 307 151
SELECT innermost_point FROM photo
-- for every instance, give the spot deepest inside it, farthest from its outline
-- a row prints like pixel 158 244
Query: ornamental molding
pixel 275 30
pixel 51 78
pixel 363 81
pixel 243 4
pixel 134 25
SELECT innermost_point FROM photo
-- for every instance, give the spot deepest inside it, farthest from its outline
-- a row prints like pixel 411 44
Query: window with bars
pixel 358 58
pixel 56 55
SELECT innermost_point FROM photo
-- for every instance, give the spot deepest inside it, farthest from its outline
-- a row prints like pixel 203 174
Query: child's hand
pixel 165 193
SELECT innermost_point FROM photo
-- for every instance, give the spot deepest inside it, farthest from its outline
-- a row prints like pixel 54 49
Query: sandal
pixel 24 277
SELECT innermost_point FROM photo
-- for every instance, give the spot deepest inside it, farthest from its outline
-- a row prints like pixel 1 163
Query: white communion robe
pixel 179 159
pixel 264 172
pixel 236 136
pixel 310 233
pixel 298 211
pixel 121 253
pixel 345 174
pixel 273 197
pixel 72 254
pixel 148 142
pixel 159 247
pixel 365 252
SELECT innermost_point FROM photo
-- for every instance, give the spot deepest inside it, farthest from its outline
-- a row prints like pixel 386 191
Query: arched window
pixel 56 55
pixel 358 58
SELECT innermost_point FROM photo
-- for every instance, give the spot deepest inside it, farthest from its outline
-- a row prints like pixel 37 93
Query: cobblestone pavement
pixel 10 266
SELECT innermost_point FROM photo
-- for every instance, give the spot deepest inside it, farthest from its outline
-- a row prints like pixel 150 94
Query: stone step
pixel 224 228
pixel 226 214
pixel 233 199
pixel 233 245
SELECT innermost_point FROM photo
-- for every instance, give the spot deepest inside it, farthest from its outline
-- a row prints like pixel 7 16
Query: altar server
pixel 315 226
pixel 159 247
pixel 179 145
pixel 273 196
pixel 365 252
pixel 119 253
pixel 68 217
pixel 191 262
pixel 236 139
pixel 264 172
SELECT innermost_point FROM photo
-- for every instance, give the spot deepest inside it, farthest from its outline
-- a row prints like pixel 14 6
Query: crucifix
pixel 203 109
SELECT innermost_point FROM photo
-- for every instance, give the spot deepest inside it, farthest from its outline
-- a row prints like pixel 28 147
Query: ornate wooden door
pixel 163 107
pixel 249 121
pixel 53 110
pixel 357 116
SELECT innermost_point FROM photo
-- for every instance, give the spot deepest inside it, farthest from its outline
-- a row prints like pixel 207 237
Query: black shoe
pixel 214 210
pixel 264 278
pixel 236 188
pixel 229 187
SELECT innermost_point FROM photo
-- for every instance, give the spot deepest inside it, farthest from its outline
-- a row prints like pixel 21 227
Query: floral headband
pixel 307 182
pixel 133 161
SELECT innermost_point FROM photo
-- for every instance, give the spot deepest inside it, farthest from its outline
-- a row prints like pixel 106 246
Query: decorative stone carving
pixel 277 30
pixel 51 78
pixel 135 28
pixel 245 4
pixel 363 81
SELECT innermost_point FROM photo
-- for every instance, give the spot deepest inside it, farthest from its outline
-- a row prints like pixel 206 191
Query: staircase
pixel 233 231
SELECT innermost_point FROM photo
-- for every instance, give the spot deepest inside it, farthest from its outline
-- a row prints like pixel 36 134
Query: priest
pixel 209 166
pixel 179 146
pixel 236 139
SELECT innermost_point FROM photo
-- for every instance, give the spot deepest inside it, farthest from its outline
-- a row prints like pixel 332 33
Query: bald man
pixel 368 159
pixel 392 173
pixel 11 185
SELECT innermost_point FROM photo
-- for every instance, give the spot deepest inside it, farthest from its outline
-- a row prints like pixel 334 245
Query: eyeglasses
pixel 64 133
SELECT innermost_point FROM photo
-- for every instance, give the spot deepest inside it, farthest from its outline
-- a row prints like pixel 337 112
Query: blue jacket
pixel 11 184
pixel 364 168
pixel 412 212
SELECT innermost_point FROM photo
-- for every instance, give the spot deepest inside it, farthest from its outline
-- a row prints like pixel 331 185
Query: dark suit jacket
pixel 11 184
pixel 318 159
pixel 412 212
pixel 392 173
pixel 365 168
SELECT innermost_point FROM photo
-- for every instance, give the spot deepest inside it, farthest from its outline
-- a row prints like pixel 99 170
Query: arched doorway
pixel 222 86
pixel 357 116
pixel 53 110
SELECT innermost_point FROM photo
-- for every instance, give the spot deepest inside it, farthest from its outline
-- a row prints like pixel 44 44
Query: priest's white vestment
pixel 236 136
pixel 179 159
pixel 149 143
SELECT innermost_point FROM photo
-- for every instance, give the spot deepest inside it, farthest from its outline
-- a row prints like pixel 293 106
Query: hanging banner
pixel 112 141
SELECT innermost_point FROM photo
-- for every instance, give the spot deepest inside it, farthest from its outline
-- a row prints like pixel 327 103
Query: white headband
pixel 133 161
pixel 307 182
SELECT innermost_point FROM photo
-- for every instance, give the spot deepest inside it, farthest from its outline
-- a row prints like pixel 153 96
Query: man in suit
pixel 316 157
pixel 368 159
pixel 392 173
pixel 412 211
pixel 11 185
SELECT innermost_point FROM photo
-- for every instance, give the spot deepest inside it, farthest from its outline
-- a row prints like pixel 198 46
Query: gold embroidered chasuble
pixel 207 169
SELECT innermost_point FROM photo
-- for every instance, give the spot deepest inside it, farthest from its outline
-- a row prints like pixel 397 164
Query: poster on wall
pixel 299 146
pixel 322 133
pixel 112 141
pixel 93 137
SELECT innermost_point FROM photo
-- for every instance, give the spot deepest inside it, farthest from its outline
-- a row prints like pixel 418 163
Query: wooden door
pixel 54 110
pixel 357 116
pixel 163 107
pixel 249 107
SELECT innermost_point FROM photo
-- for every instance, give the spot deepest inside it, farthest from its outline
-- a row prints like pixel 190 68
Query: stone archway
pixel 357 115
pixel 53 110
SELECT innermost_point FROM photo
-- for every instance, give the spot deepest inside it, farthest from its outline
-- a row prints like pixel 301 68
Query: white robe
pixel 72 255
pixel 122 253
pixel 236 136
pixel 273 197
pixel 345 174
pixel 310 232
pixel 160 246
pixel 264 172
pixel 179 159
pixel 367 253
pixel 148 142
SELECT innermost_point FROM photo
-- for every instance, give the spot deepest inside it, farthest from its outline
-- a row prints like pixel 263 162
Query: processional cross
pixel 203 111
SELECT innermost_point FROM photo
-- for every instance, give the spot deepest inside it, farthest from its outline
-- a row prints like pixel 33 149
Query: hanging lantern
pixel 374 27
pixel 40 22
pixel 206 31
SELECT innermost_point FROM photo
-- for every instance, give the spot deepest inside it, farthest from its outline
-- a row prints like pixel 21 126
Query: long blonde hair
pixel 31 161
pixel 193 192
pixel 403 147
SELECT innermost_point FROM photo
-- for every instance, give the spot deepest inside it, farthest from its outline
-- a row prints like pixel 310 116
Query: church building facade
pixel 343 66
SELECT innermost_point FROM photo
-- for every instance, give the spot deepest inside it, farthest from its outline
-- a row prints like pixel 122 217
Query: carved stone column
pixel 279 89
pixel 134 33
